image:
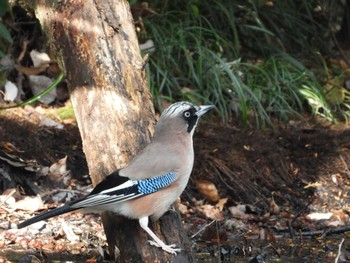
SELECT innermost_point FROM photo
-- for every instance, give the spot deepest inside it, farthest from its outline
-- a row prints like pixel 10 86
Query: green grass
pixel 5 36
pixel 66 112
pixel 240 56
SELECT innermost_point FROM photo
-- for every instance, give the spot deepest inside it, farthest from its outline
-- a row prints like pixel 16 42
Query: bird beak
pixel 203 109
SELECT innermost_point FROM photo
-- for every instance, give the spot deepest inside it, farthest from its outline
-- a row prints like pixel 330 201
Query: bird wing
pixel 155 159
pixel 112 190
pixel 116 188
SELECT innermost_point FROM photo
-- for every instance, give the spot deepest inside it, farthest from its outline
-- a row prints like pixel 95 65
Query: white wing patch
pixel 122 186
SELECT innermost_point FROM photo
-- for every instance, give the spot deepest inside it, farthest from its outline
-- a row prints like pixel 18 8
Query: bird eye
pixel 187 114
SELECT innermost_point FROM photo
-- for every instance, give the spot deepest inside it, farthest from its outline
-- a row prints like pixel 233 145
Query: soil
pixel 279 176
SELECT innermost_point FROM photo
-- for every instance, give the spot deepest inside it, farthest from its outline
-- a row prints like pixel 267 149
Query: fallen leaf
pixel 319 216
pixel 46 121
pixel 58 170
pixel 237 212
pixel 7 200
pixel 236 224
pixel 40 83
pixel 39 58
pixel 208 190
pixel 211 212
pixel 182 208
pixel 148 46
pixel 248 209
pixel 63 196
pixel 337 179
pixel 339 215
pixel 67 229
pixel 11 91
pixel 334 223
pixel 220 205
pixel 273 207
pixel 29 204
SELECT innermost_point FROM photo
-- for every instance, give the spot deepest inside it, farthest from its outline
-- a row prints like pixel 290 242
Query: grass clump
pixel 241 56
pixel 5 36
pixel 66 112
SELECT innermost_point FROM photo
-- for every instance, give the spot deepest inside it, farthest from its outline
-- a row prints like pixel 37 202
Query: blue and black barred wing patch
pixel 151 185
pixel 115 189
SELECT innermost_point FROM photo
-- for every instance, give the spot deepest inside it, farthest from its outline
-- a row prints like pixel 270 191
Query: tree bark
pixel 96 46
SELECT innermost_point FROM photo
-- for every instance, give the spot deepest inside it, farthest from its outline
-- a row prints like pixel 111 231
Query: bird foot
pixel 168 248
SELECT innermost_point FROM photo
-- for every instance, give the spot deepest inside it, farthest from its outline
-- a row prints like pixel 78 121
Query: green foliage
pixel 239 55
pixel 5 36
pixel 288 26
pixel 277 85
pixel 4 7
pixel 66 112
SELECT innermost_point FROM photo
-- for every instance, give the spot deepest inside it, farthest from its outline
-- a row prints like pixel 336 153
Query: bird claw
pixel 168 248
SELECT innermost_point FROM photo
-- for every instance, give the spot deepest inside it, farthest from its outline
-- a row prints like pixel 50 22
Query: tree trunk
pixel 96 46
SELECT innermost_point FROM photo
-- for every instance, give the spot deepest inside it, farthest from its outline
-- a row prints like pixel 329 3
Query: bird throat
pixel 192 122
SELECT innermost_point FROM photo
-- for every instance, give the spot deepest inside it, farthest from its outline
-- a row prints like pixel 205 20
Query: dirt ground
pixel 255 195
pixel 266 183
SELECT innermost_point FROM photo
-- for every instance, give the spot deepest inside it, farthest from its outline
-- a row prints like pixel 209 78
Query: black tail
pixel 55 212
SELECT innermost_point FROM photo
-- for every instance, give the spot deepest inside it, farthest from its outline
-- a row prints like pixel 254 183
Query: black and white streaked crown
pixel 179 108
pixel 187 112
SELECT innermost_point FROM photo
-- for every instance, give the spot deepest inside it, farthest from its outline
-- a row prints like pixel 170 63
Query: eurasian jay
pixel 153 180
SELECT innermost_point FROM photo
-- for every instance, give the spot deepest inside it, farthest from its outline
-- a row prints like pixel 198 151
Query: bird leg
pixel 143 221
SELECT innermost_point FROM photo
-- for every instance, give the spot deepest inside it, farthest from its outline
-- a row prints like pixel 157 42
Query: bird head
pixel 181 117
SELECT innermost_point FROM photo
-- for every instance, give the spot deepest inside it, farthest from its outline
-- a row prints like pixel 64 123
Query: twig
pixel 323 233
pixel 23 51
pixel 274 249
pixel 291 230
pixel 339 250
pixel 145 61
pixel 337 230
pixel 202 228
pixel 7 197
